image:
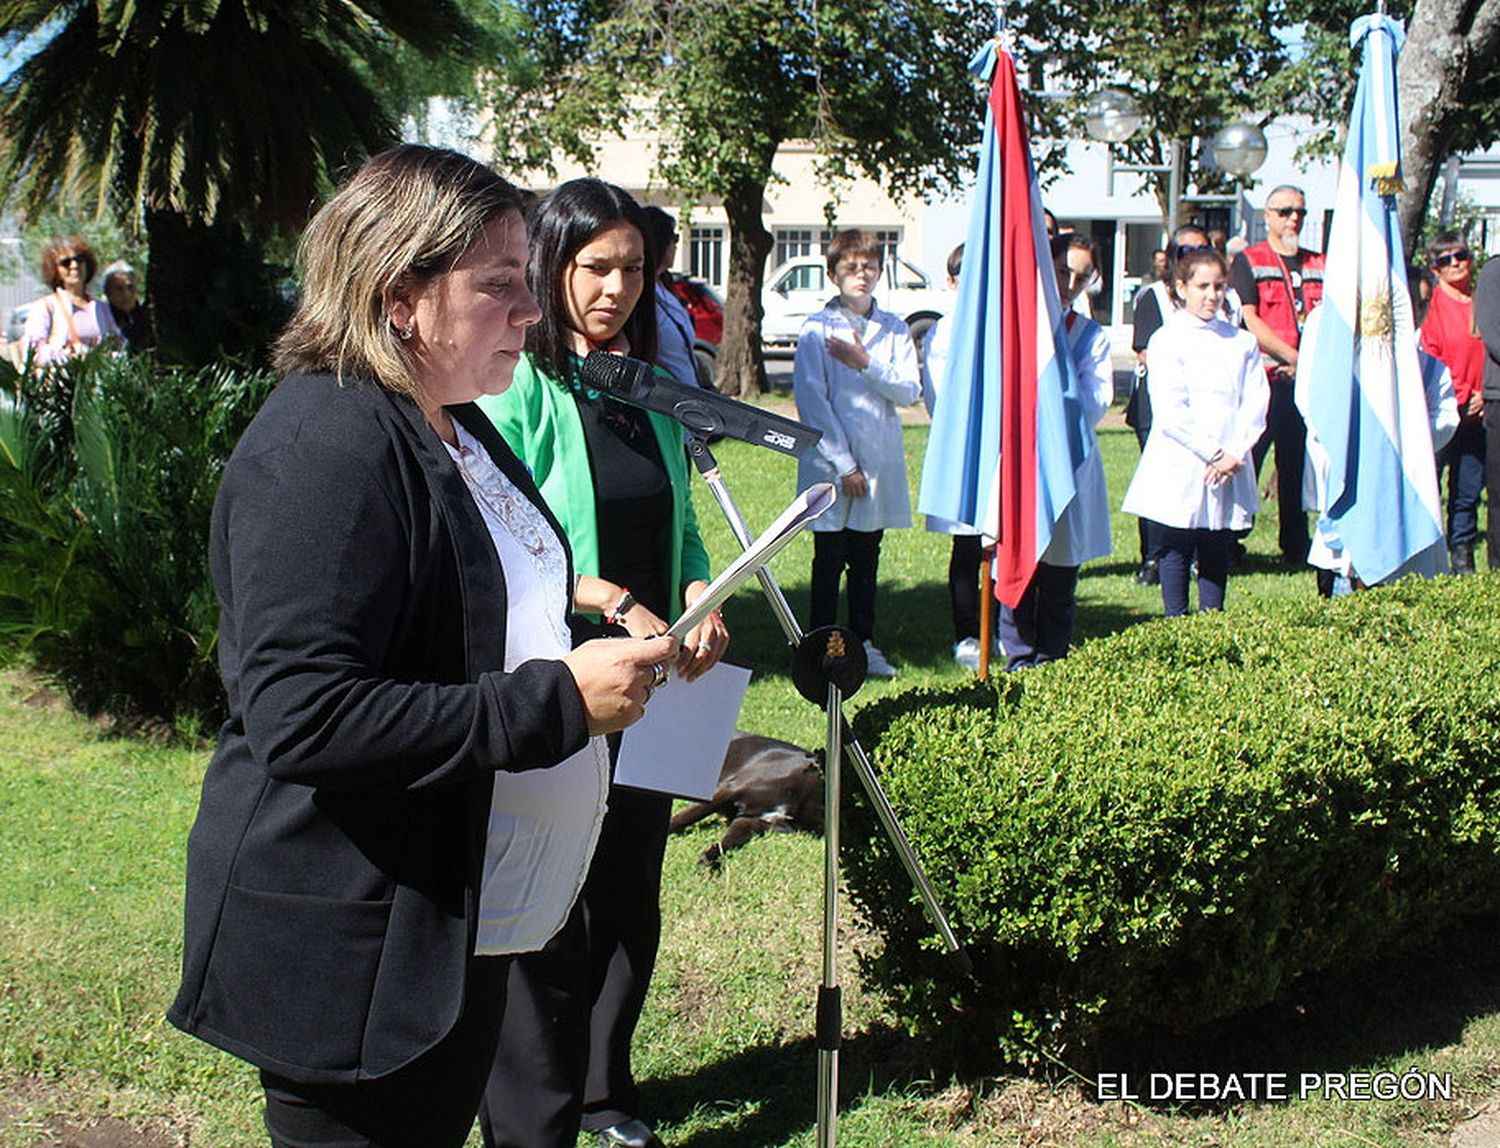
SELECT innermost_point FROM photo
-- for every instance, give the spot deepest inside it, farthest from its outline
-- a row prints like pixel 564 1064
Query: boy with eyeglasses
pixel 1279 283
pixel 855 366
pixel 1449 333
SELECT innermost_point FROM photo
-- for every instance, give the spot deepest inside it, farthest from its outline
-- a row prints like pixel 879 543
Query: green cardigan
pixel 539 419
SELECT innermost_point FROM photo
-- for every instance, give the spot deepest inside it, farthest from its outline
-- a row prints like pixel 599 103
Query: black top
pixel 333 870
pixel 632 500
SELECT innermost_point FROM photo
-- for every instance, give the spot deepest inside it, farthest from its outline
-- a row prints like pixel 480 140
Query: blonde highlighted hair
pixel 406 216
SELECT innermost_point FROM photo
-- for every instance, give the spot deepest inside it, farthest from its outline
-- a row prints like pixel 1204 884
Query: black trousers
pixel 834 552
pixel 428 1104
pixel 1492 480
pixel 1286 431
pixel 571 1009
pixel 963 584
pixel 1148 531
pixel 1040 627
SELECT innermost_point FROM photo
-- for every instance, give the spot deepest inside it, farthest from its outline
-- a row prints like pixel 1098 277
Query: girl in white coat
pixel 855 366
pixel 1208 396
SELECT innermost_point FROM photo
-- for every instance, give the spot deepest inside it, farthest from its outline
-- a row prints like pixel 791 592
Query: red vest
pixel 1277 303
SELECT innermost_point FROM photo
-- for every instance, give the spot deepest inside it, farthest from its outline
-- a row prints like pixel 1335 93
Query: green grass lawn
pixel 93 828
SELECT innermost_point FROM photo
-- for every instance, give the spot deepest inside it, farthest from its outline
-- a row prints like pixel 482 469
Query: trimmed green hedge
pixel 1171 824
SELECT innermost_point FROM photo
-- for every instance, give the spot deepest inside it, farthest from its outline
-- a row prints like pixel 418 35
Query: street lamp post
pixel 1112 116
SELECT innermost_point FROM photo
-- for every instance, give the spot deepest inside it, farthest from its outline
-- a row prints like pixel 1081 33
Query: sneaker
pixel 1149 574
pixel 966 653
pixel 876 664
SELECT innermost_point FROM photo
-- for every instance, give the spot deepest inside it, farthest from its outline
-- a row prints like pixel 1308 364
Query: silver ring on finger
pixel 658 676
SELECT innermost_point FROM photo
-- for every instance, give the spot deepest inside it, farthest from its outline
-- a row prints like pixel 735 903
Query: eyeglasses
pixel 1462 255
pixel 72 260
pixel 859 268
pixel 1185 248
pixel 1288 212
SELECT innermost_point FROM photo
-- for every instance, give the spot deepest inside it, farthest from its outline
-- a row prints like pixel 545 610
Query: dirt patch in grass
pixel 30 1116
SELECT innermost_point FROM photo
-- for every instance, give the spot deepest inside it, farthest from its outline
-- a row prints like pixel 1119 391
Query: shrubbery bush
pixel 1170 825
pixel 108 469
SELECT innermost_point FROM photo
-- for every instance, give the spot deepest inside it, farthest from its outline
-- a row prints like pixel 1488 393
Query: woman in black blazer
pixel 386 573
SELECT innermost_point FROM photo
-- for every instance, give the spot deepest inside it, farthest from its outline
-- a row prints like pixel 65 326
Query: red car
pixel 707 312
pixel 703 304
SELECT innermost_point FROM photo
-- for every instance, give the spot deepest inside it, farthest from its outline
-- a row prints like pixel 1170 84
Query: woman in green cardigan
pixel 617 479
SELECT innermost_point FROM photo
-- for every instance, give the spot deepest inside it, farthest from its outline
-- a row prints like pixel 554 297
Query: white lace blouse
pixel 544 823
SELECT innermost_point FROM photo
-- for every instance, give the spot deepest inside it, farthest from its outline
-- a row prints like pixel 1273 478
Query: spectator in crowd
pixel 68 321
pixel 1449 333
pixel 968 544
pixel 131 316
pixel 1487 320
pixel 1039 628
pixel 855 366
pixel 617 479
pixel 405 702
pixel 1153 306
pixel 1158 265
pixel 1208 403
pixel 674 326
pixel 1279 283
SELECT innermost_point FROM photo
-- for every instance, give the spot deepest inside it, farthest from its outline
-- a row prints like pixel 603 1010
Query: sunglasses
pixel 1288 212
pixel 1462 255
pixel 1185 248
pixel 72 261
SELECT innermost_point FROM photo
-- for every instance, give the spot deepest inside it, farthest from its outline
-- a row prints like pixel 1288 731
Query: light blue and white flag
pixel 1359 384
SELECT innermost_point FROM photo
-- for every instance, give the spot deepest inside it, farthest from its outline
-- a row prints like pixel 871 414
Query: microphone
pixel 707 414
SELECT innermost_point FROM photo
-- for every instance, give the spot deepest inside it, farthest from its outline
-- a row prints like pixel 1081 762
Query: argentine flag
pixel 1359 384
pixel 1010 432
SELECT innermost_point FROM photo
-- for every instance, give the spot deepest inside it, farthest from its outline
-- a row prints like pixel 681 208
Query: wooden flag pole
pixel 986 612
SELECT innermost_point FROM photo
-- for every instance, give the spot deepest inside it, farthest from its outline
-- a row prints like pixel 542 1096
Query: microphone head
pixel 615 374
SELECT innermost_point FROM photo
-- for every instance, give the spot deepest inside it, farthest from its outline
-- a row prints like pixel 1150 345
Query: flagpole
pixel 986 615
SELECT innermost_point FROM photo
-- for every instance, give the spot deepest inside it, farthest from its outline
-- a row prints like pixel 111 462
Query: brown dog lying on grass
pixel 765 784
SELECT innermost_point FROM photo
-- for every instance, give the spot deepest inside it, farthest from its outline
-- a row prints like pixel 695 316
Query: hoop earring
pixel 404 333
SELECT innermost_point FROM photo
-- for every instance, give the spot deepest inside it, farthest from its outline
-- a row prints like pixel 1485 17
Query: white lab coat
pixel 857 413
pixel 1083 532
pixel 1208 393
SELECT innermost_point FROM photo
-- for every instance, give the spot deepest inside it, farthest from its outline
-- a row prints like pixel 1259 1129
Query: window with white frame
pixel 706 255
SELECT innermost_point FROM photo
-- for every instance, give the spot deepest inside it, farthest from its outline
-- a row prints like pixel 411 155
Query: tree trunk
pixel 741 366
pixel 212 292
pixel 1450 45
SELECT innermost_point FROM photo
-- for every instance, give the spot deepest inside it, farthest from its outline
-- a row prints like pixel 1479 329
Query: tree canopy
pixel 883 90
pixel 210 123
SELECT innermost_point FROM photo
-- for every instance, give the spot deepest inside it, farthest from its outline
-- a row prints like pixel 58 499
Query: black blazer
pixel 333 870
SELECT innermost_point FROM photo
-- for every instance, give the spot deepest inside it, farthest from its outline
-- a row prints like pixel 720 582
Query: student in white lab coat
pixel 855 367
pixel 1208 396
pixel 1040 626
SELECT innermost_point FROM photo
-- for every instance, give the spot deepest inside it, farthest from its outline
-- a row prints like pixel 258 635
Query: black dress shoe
pixel 630 1133
pixel 1461 558
pixel 1149 574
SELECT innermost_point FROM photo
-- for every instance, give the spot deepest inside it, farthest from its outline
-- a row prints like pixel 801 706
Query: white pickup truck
pixel 800 287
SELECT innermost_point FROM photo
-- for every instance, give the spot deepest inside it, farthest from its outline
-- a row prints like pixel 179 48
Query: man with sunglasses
pixel 1279 282
pixel 1449 333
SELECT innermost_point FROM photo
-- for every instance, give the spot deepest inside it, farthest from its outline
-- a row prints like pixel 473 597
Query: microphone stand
pixel 840 738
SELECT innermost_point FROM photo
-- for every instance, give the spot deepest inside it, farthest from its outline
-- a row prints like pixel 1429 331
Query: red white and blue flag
pixel 1009 431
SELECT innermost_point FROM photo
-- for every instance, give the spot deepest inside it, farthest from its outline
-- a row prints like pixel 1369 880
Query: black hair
pixel 661 230
pixel 955 261
pixel 561 225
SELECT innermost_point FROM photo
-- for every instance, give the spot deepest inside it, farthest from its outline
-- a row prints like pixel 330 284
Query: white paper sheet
pixel 799 512
pixel 679 746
